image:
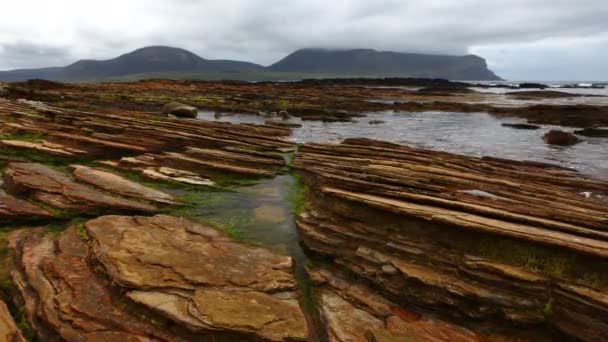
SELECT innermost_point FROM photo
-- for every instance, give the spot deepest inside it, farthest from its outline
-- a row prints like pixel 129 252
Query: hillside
pixel 175 63
pixel 157 59
pixel 377 63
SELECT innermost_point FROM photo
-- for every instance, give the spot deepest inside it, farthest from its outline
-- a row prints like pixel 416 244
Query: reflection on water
pixel 475 134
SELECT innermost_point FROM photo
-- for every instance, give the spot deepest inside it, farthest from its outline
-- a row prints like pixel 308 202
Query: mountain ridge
pixel 168 61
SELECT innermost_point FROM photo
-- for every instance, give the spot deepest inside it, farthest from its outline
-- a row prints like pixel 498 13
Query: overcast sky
pixel 521 39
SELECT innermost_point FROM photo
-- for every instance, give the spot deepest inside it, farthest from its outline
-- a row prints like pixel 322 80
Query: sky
pixel 520 39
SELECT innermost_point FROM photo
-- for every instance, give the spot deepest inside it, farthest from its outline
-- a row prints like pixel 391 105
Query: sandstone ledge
pixel 484 240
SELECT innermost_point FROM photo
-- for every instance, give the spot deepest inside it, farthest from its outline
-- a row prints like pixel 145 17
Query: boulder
pixel 180 110
pixel 8 328
pixel 561 138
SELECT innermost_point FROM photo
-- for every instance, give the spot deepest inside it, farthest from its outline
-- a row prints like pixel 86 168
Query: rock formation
pixel 179 281
pixel 561 138
pixel 487 241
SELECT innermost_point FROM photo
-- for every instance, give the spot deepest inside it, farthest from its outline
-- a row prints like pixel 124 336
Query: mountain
pixel 157 59
pixel 380 63
pixel 169 62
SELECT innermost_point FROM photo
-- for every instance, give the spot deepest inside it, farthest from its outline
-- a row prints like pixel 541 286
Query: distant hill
pixel 378 63
pixel 157 59
pixel 169 62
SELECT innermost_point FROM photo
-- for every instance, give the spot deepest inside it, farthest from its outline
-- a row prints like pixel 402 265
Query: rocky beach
pixel 371 210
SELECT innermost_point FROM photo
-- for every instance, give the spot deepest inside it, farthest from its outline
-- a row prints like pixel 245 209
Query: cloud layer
pixel 522 39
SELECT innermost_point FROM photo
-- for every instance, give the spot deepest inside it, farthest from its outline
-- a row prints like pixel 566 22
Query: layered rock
pixel 145 143
pixel 65 300
pixel 58 190
pixel 8 328
pixel 115 183
pixel 484 241
pixel 199 278
pixel 12 208
pixel 189 281
pixel 354 312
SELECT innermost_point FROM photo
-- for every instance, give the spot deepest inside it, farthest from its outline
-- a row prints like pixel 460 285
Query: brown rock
pixel 180 110
pixel 198 277
pixel 58 190
pixel 493 241
pixel 561 138
pixel 64 298
pixel 8 329
pixel 115 183
pixel 14 208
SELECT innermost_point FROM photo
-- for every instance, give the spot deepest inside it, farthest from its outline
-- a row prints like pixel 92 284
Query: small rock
pixel 561 138
pixel 376 122
pixel 180 110
pixel 389 269
pixel 521 126
pixel 284 115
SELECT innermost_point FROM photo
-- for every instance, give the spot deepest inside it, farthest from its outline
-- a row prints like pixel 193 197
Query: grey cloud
pixel 264 31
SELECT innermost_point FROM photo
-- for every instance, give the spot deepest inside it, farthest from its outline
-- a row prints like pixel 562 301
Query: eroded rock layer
pixel 478 240
pixel 159 278
pixel 144 142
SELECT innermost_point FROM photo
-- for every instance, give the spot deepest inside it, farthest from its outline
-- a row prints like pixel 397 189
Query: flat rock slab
pixel 8 328
pixel 60 191
pixel 115 183
pixel 198 277
pixel 64 297
pixel 15 208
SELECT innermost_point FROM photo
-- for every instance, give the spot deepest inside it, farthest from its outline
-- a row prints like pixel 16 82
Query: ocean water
pixel 474 134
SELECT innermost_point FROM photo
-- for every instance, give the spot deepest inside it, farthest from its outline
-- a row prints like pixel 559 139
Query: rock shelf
pixel 485 239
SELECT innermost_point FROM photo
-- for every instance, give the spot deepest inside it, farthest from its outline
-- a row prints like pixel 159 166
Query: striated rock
pixel 487 241
pixel 180 176
pixel 197 277
pixel 180 110
pixel 44 147
pixel 8 329
pixel 58 190
pixel 114 183
pixel 65 300
pixel 561 138
pixel 14 208
pixel 353 312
